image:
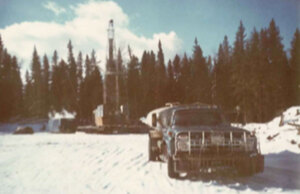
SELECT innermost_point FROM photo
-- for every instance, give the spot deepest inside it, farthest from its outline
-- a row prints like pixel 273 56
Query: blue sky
pixel 141 24
pixel 210 20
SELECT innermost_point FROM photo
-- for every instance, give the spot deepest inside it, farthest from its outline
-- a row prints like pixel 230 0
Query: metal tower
pixel 111 81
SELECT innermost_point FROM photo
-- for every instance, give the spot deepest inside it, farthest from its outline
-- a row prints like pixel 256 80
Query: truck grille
pixel 213 142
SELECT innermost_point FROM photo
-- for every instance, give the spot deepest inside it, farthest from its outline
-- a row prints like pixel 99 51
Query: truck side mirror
pixel 154 120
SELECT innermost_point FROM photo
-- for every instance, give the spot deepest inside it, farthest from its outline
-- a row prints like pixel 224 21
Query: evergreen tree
pixel 200 76
pixel 46 86
pixel 79 70
pixel 279 69
pixel 222 73
pixel 91 88
pixel 177 73
pixel 17 98
pixel 160 93
pixel 72 79
pixel 55 86
pixel 145 79
pixel 122 78
pixel 185 81
pixel 170 86
pixel 88 68
pixel 85 105
pixel 240 76
pixel 295 68
pixel 36 77
pixel 4 87
pixel 148 80
pixel 28 98
pixel 96 83
pixel 10 86
pixel 256 75
pixel 79 64
pixel 134 88
pixel 93 60
pixel 96 88
pixel 266 109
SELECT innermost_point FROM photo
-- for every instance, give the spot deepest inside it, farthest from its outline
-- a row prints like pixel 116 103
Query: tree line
pixel 254 74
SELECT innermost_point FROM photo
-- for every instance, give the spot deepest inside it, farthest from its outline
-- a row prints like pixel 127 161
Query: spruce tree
pixel 45 86
pixel 222 73
pixel 88 68
pixel 79 63
pixel 145 81
pixel 279 69
pixel 256 75
pixel 200 76
pixel 240 76
pixel 17 98
pixel 28 98
pixel 153 80
pixel 160 93
pixel 185 81
pixel 85 105
pixel 177 73
pixel 55 100
pixel 133 87
pixel 36 76
pixel 72 79
pixel 96 89
pixel 11 87
pixel 266 100
pixel 295 68
pixel 170 86
pixel 122 78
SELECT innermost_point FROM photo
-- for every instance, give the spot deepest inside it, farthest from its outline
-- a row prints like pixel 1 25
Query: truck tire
pixel 171 168
pixel 260 164
pixel 152 155
pixel 246 167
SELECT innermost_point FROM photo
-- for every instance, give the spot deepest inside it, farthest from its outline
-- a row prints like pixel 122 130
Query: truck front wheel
pixel 171 168
pixel 246 167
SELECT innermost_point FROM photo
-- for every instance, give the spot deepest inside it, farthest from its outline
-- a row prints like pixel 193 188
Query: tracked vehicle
pixel 197 139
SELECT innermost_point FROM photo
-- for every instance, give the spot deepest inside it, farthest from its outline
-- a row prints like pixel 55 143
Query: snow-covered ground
pixel 278 135
pixel 82 163
pixel 85 163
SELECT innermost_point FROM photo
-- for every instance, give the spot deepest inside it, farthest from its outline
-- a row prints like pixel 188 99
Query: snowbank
pixel 279 135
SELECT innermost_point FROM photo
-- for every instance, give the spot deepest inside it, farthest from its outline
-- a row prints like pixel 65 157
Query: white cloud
pixel 56 9
pixel 87 31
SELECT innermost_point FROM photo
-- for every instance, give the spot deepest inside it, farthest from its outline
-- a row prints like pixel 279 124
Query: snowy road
pixel 82 163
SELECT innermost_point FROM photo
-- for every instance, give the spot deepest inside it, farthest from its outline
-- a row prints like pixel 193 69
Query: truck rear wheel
pixel 152 154
pixel 260 164
pixel 171 168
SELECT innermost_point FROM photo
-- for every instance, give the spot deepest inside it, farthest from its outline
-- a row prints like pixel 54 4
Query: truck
pixel 196 138
pixel 62 125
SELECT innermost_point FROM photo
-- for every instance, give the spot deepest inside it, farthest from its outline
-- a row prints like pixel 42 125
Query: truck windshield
pixel 197 117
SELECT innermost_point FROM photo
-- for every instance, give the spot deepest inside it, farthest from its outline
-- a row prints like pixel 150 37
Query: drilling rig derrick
pixel 111 94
